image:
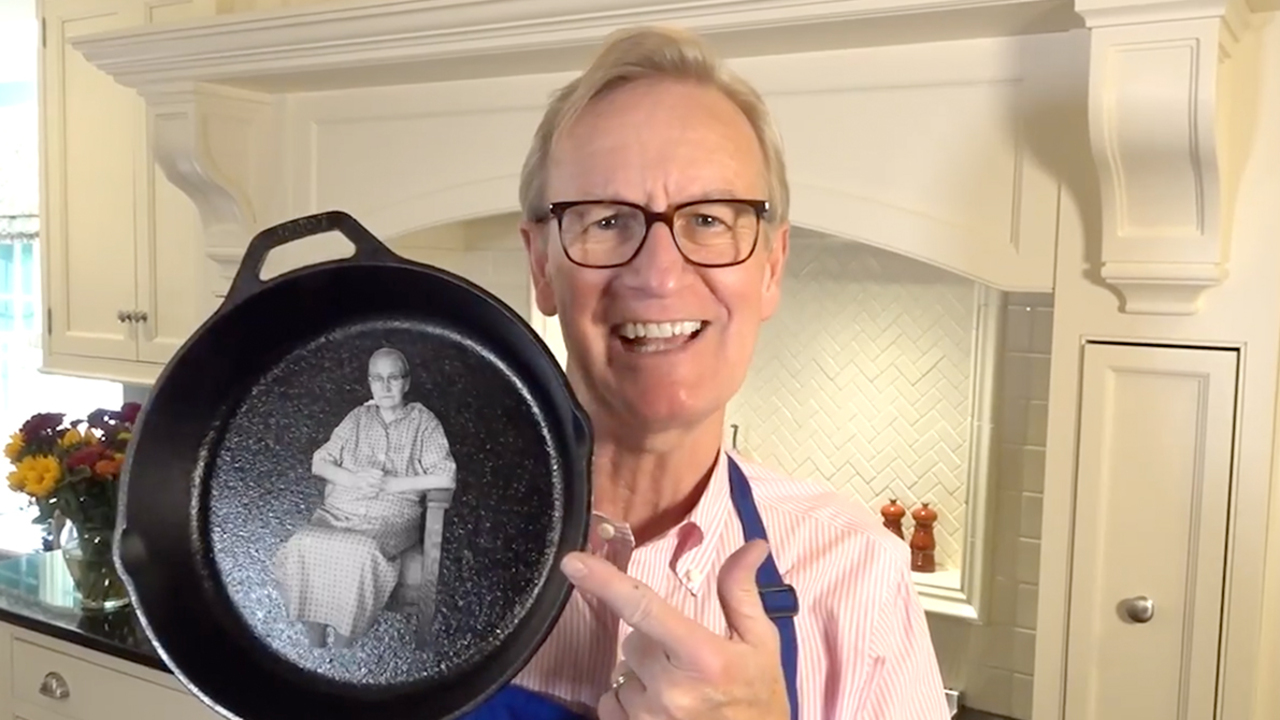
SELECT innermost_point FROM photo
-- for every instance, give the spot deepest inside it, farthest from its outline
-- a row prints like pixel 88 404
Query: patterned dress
pixel 341 567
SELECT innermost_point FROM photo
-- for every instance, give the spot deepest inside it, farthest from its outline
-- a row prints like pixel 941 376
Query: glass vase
pixel 87 554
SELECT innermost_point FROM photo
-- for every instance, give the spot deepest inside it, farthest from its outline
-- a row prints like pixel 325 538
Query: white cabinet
pixel 122 275
pixel 1154 474
pixel 47 679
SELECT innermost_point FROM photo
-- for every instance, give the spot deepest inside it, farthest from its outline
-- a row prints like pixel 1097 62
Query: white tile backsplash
pixel 993 664
pixel 863 378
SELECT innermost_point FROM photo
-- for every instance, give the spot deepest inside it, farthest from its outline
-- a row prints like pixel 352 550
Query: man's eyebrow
pixel 719 193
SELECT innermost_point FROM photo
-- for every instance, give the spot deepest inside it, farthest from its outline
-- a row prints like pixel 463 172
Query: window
pixel 24 390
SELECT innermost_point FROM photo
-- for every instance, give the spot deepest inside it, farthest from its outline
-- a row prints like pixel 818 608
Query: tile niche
pixel 876 376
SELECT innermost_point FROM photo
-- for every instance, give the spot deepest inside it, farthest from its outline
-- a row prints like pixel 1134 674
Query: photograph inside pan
pixel 382 502
pixel 272 590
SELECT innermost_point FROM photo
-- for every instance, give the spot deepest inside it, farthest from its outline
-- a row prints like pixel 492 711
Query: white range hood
pixel 220 88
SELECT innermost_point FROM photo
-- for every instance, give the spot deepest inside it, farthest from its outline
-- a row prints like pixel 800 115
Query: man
pixel 655 218
pixel 338 571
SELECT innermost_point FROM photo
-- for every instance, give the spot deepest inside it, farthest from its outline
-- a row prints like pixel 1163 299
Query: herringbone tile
pixel 862 378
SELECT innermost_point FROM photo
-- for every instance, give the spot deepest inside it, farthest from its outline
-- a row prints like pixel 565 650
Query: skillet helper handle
pixel 248 279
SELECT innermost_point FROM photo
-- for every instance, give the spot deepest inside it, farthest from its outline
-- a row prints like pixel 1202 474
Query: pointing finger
pixel 634 602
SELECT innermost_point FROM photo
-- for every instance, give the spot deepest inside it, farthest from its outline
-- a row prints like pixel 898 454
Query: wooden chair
pixel 420 568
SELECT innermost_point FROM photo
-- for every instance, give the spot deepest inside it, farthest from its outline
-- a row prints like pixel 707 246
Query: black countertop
pixel 36 593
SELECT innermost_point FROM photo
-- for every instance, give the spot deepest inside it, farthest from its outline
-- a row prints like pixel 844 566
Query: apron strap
pixel 779 599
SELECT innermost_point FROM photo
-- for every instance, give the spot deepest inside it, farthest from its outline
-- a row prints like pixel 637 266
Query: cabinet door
pixel 88 166
pixel 1154 472
pixel 171 299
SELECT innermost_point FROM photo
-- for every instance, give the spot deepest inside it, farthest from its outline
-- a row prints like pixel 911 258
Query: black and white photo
pixel 388 475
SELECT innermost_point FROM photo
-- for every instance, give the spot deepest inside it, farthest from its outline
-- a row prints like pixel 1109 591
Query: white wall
pixel 488 251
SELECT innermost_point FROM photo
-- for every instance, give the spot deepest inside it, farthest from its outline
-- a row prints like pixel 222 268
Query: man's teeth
pixel 632 331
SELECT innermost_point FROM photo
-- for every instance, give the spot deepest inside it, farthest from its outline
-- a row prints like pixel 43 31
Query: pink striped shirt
pixel 865 649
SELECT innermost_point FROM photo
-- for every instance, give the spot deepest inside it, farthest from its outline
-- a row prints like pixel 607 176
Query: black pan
pixel 218 477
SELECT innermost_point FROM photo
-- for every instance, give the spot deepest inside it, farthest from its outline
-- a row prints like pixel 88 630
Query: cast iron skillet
pixel 218 476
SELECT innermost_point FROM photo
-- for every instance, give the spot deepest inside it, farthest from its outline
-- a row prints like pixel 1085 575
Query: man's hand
pixel 675 669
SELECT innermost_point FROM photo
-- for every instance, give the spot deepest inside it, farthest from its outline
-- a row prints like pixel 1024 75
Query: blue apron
pixel 780 602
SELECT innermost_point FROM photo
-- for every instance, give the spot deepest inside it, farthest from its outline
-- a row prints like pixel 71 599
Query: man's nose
pixel 659 266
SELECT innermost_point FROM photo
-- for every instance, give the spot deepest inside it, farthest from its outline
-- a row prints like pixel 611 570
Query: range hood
pixel 1154 70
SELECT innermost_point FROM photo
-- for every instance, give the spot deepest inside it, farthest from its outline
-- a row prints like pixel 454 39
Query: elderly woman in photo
pixel 339 570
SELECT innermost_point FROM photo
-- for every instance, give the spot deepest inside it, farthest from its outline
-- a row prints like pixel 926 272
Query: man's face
pixel 387 381
pixel 657 143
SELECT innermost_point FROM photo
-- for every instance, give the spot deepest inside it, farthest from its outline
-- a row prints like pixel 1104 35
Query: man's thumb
pixel 740 595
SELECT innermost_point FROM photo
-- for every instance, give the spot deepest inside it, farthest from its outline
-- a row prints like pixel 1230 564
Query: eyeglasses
pixel 387 380
pixel 708 233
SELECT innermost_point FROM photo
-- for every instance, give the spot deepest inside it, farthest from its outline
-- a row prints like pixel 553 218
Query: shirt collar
pixel 701 534
pixel 696 539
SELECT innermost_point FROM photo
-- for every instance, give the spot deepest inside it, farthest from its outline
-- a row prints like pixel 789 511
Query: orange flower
pixel 109 467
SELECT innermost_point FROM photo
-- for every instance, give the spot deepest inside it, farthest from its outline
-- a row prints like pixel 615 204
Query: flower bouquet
pixel 71 473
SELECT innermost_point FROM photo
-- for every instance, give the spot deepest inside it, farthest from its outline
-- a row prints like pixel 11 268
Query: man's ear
pixel 536 246
pixel 774 265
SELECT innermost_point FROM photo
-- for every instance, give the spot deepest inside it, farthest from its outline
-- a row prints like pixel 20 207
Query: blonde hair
pixel 645 52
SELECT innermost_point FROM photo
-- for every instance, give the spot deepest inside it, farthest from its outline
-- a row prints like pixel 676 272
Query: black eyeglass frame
pixel 667 217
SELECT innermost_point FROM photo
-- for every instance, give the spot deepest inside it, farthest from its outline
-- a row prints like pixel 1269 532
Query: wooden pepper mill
pixel 922 541
pixel 893 514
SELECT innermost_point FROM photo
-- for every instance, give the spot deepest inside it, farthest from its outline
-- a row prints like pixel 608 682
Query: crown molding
pixel 344 45
pixel 1160 76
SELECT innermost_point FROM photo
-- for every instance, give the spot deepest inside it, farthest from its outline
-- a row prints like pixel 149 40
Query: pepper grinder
pixel 893 514
pixel 922 541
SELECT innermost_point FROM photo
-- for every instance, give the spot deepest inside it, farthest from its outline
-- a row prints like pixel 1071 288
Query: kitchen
pixel 995 309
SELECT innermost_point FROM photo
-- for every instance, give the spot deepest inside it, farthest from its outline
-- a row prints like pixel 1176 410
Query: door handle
pixel 1140 609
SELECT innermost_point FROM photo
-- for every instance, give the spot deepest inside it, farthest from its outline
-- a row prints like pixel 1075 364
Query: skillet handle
pixel 248 279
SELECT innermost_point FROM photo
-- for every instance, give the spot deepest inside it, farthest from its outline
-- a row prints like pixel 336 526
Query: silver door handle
pixel 1140 609
pixel 54 686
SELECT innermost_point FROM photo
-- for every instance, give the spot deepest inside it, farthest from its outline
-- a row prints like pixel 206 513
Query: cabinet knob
pixel 123 315
pixel 139 315
pixel 1140 609
pixel 54 686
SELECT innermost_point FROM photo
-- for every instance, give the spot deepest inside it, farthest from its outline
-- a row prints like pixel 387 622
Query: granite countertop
pixel 36 593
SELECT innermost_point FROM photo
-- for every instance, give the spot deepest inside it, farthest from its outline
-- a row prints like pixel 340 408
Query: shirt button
pixel 606 531
pixel 692 576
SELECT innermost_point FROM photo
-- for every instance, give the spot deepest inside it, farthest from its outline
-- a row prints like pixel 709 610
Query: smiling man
pixel 655 210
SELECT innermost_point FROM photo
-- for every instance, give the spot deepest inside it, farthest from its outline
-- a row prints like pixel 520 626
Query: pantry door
pixel 1154 473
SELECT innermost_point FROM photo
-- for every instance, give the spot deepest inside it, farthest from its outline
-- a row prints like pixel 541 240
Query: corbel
pixel 1157 84
pixel 209 141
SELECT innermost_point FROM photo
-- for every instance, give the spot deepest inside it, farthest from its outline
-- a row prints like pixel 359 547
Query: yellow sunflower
pixel 71 437
pixel 14 446
pixel 39 475
pixel 17 481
